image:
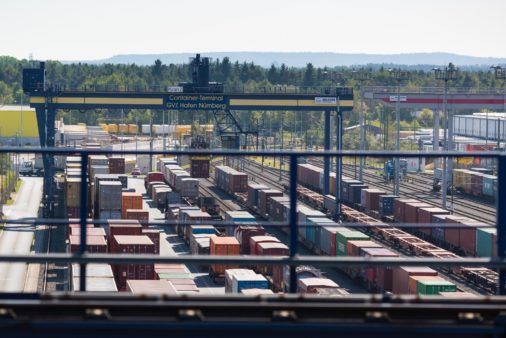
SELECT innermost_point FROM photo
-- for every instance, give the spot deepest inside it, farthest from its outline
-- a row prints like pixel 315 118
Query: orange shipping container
pixel 223 246
pixel 130 200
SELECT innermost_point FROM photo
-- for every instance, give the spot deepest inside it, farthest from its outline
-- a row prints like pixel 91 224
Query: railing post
pixel 501 221
pixel 293 220
pixel 83 213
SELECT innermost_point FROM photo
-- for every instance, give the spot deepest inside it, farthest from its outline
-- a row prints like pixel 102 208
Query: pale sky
pixel 96 29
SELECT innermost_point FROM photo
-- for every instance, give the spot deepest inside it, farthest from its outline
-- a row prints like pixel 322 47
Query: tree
pixel 426 117
pixel 309 76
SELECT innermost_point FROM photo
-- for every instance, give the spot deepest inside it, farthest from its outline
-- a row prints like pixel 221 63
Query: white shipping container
pixel 93 270
pixel 146 129
pixel 96 284
pixel 416 164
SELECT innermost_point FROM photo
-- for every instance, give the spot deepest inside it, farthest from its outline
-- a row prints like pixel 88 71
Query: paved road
pixel 172 245
pixel 16 238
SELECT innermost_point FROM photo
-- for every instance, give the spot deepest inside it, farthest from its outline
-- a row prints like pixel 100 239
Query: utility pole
pixel 446 74
pixel 361 76
pixel 399 75
pixel 500 74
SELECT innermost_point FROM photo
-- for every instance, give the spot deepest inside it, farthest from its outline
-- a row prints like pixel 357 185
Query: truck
pixel 28 168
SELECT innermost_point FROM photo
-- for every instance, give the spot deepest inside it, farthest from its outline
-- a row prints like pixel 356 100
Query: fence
pixel 293 259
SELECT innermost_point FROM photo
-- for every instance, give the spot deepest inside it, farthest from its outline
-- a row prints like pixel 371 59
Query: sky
pixel 97 29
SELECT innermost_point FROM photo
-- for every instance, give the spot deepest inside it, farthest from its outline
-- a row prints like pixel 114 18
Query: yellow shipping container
pixel 133 129
pixel 103 126
pixel 113 128
pixel 123 128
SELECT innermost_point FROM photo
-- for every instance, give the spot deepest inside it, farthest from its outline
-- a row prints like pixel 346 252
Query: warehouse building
pixel 18 126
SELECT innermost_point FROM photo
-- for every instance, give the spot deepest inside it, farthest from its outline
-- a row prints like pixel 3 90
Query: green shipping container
pixel 433 287
pixel 485 242
pixel 345 235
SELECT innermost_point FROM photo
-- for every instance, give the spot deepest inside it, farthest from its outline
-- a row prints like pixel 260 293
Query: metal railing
pixel 238 89
pixel 294 259
pixel 432 90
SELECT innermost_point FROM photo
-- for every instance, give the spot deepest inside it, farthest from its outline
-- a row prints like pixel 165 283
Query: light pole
pixel 361 76
pixel 399 75
pixel 446 74
pixel 500 74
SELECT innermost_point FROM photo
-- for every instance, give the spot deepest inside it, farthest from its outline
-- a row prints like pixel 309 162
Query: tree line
pixel 233 74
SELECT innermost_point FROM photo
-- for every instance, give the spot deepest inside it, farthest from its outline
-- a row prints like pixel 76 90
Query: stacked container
pixel 263 199
pixel 223 246
pixel 132 245
pixel 386 205
pixel 150 287
pixel 237 280
pixel 255 241
pixel 109 200
pixel 116 165
pixel 99 278
pixel 130 200
pixel 243 233
pixel 403 273
pixel 253 189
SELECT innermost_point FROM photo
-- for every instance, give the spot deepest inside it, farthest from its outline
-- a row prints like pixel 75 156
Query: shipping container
pixel 309 285
pixel 425 216
pixel 263 199
pixel 132 245
pixel 199 244
pixel 94 244
pixel 130 200
pixel 109 195
pixel 353 247
pixel 379 278
pixel 116 165
pixel 370 198
pixel 411 212
pixel 138 214
pixel 486 242
pixel 402 274
pixel 223 246
pixel 191 217
pixel 344 235
pixel 253 189
pixel 430 285
pixel 150 287
pixel 154 236
pixel 241 279
pixel 256 240
pixel 154 176
pixel 243 233
pixel 386 205
pixel 189 187
pixel 199 168
pixel 256 292
pixel 399 208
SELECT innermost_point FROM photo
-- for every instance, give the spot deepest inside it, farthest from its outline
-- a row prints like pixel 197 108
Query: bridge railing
pixel 294 258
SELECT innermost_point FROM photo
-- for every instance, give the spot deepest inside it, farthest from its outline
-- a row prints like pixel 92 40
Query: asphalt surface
pixel 18 238
pixel 172 245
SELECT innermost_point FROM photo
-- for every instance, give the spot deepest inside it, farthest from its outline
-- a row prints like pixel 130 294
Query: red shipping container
pixel 138 214
pixel 264 196
pixel 253 189
pixel 411 212
pixel 152 177
pixel 270 249
pixel 425 217
pixel 353 247
pixel 133 229
pixel 116 165
pixel 132 245
pixel 90 231
pixel 380 277
pixel 467 236
pixel 399 204
pixel 238 182
pixel 94 244
pixel 402 274
pixel 154 236
pixel 256 240
pixel 243 233
pixel 371 198
pixel 199 168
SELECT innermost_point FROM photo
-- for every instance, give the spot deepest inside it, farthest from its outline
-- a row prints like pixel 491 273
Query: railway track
pixel 458 279
pixel 421 190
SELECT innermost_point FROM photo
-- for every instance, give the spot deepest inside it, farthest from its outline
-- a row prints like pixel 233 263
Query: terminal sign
pixel 326 100
pixel 195 102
